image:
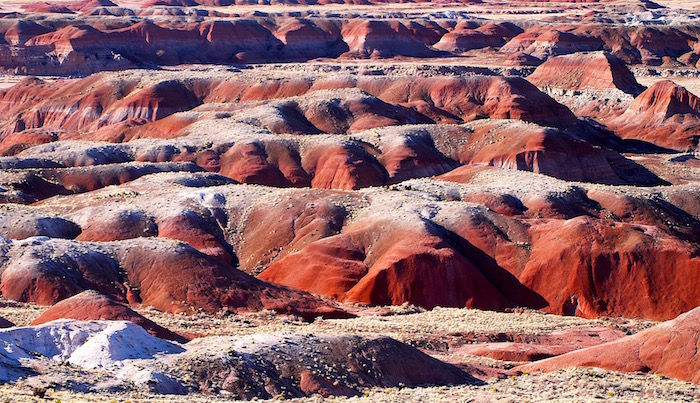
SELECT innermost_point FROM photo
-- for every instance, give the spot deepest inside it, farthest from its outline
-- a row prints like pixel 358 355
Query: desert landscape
pixel 349 200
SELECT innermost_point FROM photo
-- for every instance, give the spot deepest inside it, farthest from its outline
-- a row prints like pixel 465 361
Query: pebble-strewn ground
pixel 414 326
pixel 575 385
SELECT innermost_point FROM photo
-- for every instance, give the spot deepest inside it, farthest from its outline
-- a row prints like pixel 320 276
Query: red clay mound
pixel 31 274
pixel 236 40
pixel 468 39
pixel 328 164
pixel 91 305
pixel 413 156
pixel 666 114
pixel 381 39
pixel 666 99
pixel 488 35
pixel 181 279
pixel 303 39
pixel 198 232
pixel 471 98
pixel 543 43
pixel 351 110
pixel 89 5
pixel 426 31
pixel 153 103
pixel 21 31
pixel 620 269
pixel 169 127
pixel 338 258
pixel 244 91
pixel 48 8
pixel 171 277
pixel 658 43
pixel 596 71
pixel 517 145
pixel 109 224
pixel 51 105
pixel 669 349
pixel 251 163
pixel 522 59
pixel 88 178
pixel 343 166
pixel 380 262
pixel 278 229
pixel 17 142
pixel 526 348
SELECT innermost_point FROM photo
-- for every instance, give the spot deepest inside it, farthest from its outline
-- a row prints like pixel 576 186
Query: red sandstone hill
pixel 543 42
pixel 21 31
pixel 528 147
pixel 602 277
pixel 121 109
pixel 632 256
pixel 666 114
pixel 668 349
pixel 381 39
pixel 632 44
pixel 369 264
pixel 597 71
pixel 338 163
pixel 91 305
pixel 488 35
pixel 171 277
pixel 82 46
pixel 35 104
pixel 44 7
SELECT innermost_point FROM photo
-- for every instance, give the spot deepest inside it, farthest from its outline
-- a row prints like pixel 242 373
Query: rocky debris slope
pixel 267 365
pixel 127 358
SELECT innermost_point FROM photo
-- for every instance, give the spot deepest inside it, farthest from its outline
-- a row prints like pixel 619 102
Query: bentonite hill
pixel 353 200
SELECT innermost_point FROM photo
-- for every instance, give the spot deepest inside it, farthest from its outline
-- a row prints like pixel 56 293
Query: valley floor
pixel 431 331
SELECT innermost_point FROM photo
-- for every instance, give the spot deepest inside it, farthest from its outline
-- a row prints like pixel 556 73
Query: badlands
pixel 349 200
